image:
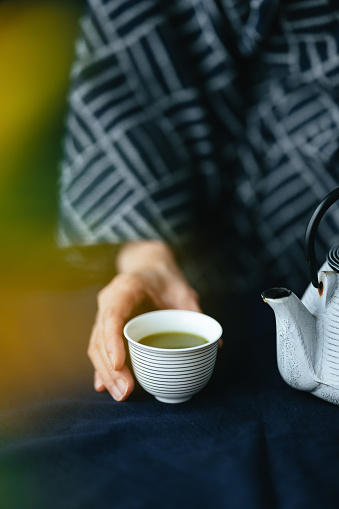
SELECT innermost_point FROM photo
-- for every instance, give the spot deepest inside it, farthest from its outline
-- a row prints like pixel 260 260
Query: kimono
pixel 211 125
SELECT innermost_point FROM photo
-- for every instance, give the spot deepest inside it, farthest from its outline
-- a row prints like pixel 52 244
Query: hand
pixel 148 273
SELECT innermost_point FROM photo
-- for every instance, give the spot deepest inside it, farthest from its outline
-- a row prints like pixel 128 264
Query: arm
pixel 147 273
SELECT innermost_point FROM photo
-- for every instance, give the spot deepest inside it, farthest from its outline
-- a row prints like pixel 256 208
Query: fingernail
pixel 99 386
pixel 119 389
pixel 112 360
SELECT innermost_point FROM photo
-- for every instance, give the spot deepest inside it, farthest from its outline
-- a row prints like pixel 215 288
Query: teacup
pixel 173 375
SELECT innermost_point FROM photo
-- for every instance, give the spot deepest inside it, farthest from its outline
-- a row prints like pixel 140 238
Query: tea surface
pixel 173 340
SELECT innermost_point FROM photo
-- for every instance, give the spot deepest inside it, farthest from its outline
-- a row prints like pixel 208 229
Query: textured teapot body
pixel 323 304
pixel 308 336
pixel 308 329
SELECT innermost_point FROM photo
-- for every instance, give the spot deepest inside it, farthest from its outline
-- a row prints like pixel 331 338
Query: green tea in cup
pixel 173 340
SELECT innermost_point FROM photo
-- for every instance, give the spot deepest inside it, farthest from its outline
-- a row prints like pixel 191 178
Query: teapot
pixel 308 329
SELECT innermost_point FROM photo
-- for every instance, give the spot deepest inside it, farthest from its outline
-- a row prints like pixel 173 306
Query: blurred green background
pixel 47 307
pixel 36 50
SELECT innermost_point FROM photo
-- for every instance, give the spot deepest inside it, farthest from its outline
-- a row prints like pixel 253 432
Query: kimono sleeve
pixel 127 171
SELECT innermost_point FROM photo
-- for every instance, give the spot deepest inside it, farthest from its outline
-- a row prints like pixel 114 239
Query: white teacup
pixel 173 375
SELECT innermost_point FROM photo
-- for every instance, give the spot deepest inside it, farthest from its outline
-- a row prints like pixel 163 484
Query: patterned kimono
pixel 210 124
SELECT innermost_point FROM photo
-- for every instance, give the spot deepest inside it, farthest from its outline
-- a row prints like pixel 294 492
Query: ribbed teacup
pixel 173 375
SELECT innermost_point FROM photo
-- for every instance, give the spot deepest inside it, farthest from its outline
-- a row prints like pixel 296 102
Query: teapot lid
pixel 333 258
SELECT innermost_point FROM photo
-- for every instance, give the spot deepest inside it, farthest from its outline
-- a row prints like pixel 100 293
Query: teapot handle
pixel 311 231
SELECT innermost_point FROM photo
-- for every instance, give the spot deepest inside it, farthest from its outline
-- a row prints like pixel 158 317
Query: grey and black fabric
pixel 210 124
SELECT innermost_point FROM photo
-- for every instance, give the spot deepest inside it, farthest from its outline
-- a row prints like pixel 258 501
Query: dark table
pixel 246 441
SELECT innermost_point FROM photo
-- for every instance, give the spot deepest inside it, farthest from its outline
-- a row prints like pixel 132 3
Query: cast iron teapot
pixel 308 329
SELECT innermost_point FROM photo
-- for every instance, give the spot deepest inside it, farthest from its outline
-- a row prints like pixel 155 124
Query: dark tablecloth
pixel 246 441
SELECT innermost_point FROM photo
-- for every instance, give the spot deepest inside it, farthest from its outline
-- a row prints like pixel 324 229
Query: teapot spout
pixel 296 338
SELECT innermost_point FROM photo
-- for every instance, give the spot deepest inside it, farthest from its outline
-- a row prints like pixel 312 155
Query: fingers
pixel 119 383
pixel 188 299
pixel 179 295
pixel 116 303
pixel 112 327
pixel 99 385
pixel 120 387
pixel 106 349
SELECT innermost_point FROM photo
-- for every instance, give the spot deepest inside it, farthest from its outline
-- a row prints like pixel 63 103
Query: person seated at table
pixel 200 137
